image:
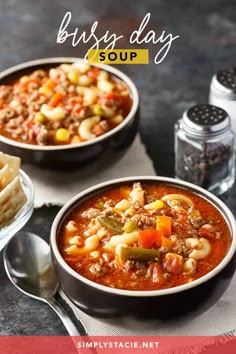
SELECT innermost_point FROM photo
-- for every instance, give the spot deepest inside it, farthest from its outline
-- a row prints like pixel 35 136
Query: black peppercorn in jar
pixel 204 148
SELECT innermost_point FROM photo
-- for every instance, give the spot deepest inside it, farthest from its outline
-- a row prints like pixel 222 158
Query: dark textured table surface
pixel 207 43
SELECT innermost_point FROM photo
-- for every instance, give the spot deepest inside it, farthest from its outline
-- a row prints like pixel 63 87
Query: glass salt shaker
pixel 204 148
pixel 223 93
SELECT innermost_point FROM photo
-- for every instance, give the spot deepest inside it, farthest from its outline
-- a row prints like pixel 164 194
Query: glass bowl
pixel 23 214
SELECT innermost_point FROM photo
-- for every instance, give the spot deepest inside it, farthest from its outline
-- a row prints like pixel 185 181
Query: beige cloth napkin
pixel 218 320
pixel 57 187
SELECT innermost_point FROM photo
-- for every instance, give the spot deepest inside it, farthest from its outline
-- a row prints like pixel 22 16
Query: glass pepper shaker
pixel 204 148
pixel 223 93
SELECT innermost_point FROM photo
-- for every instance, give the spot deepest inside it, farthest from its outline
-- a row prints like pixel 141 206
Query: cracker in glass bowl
pixel 12 195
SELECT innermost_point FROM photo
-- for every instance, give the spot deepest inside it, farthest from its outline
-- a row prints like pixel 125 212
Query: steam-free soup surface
pixel 144 237
pixel 68 104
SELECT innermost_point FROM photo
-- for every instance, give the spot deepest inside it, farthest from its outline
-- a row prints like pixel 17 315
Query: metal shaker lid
pixel 224 82
pixel 205 120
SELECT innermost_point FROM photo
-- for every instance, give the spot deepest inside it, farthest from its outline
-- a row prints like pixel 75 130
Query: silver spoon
pixel 29 267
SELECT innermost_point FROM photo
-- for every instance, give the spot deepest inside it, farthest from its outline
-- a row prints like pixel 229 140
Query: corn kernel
pixel 73 76
pixel 44 90
pixel 117 119
pixel 62 135
pixel 98 110
pixel 39 118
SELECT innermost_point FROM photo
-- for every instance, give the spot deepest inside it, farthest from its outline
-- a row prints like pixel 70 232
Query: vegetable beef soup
pixel 68 104
pixel 144 237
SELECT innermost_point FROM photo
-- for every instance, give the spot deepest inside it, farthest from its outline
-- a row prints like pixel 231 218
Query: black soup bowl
pixel 107 147
pixel 103 301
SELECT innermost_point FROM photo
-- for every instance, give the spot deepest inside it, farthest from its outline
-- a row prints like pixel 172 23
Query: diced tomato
pixel 56 99
pixel 163 224
pixel 74 103
pixel 22 100
pixel 29 123
pixel 181 218
pixel 206 232
pixel 93 73
pixel 111 96
pixel 30 81
pixel 77 108
pixel 157 273
pixel 150 236
pixel 173 263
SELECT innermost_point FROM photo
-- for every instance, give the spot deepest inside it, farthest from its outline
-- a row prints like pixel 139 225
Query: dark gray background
pixel 207 43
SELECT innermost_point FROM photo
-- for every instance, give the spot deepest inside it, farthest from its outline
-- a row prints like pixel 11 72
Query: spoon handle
pixel 72 330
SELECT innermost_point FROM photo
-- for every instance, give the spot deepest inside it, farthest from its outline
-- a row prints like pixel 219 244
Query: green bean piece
pixel 138 254
pixel 111 224
pixel 130 226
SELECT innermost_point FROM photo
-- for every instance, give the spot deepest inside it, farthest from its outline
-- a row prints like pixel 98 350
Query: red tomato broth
pixel 122 277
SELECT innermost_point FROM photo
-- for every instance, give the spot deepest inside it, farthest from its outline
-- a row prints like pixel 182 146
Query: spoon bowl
pixel 28 264
pixel 34 275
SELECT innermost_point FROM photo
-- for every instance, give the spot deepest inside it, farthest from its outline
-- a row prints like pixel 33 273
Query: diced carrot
pixel 125 192
pixel 56 99
pixel 166 242
pixel 163 224
pixel 50 84
pixel 150 236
